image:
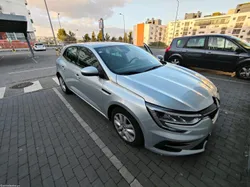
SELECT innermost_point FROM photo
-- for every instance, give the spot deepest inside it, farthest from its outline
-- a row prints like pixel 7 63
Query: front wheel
pixel 243 72
pixel 63 86
pixel 127 127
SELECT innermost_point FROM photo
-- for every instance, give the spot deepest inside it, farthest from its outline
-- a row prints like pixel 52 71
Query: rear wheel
pixel 243 72
pixel 175 60
pixel 63 85
pixel 127 127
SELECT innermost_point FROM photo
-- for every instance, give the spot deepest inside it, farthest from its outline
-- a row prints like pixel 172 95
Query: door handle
pixel 106 92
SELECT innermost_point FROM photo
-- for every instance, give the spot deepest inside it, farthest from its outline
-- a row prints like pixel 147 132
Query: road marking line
pixel 2 91
pixel 113 159
pixel 34 60
pixel 227 80
pixel 34 87
pixel 56 80
pixel 24 71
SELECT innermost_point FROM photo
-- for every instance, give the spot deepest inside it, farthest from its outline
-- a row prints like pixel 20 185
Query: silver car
pixel 167 108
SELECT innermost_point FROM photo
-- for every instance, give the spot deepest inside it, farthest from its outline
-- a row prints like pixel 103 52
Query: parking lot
pixel 48 138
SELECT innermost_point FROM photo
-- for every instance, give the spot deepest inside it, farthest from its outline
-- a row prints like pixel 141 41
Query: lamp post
pixel 50 21
pixel 123 25
pixel 58 14
pixel 176 17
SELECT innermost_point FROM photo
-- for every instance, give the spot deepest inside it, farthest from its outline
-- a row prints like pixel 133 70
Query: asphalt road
pixel 20 66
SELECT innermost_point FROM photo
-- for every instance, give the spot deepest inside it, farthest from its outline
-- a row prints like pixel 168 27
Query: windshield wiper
pixel 154 67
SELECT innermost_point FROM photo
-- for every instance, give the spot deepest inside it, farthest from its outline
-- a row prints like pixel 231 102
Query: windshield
pixel 127 59
pixel 241 42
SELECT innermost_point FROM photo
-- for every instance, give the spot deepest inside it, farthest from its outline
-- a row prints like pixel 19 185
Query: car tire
pixel 129 131
pixel 243 71
pixel 63 85
pixel 175 60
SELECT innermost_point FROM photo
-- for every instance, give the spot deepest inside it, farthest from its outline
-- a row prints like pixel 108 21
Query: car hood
pixel 172 87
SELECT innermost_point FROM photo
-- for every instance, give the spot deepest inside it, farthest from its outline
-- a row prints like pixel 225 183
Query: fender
pixel 176 55
pixel 241 62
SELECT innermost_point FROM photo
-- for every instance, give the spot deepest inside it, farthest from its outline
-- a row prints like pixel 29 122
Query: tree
pixel 71 37
pixel 158 44
pixel 86 38
pixel 125 39
pixel 120 39
pixel 130 37
pixel 107 37
pixel 99 36
pixel 113 39
pixel 93 38
pixel 62 35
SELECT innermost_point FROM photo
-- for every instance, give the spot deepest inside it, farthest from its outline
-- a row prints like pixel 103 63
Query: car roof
pixel 223 35
pixel 97 44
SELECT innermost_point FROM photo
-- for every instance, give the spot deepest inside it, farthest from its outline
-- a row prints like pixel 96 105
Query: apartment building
pixel 236 23
pixel 150 31
pixel 16 7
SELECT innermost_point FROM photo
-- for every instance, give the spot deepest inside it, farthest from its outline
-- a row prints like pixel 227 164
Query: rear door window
pixel 180 43
pixel 70 54
pixel 196 43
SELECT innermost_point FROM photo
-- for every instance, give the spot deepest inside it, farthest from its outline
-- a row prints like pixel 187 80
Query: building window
pixel 236 31
pixel 238 25
pixel 241 36
pixel 202 27
pixel 244 31
pixel 201 32
pixel 241 18
pixel 11 35
pixel 212 31
pixel 234 18
pixel 223 32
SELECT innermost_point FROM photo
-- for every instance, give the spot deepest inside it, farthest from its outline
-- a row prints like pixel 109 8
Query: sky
pixel 83 15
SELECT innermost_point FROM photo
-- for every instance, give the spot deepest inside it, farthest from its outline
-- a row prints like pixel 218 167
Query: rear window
pixel 38 44
pixel 180 43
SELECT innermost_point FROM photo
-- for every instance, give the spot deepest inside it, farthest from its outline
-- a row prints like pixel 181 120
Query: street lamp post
pixel 58 14
pixel 50 21
pixel 123 25
pixel 176 17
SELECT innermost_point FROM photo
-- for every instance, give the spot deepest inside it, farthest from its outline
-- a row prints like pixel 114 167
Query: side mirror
pixel 89 71
pixel 239 50
pixel 159 57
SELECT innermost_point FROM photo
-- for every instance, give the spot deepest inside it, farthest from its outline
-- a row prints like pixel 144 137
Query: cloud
pixel 81 8
pixel 81 15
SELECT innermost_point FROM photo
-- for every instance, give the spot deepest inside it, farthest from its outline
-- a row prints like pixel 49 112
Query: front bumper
pixel 39 49
pixel 189 140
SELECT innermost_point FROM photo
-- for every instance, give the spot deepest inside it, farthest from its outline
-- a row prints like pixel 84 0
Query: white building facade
pixel 237 24
pixel 18 7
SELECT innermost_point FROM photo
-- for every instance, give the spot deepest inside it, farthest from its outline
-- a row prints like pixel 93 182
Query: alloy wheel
pixel 124 127
pixel 245 72
pixel 175 61
pixel 62 84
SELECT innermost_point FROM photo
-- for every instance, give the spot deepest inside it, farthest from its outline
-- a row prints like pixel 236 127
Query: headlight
pixel 164 116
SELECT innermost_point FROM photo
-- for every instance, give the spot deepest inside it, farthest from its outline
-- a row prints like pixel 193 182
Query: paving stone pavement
pixel 224 163
pixel 43 144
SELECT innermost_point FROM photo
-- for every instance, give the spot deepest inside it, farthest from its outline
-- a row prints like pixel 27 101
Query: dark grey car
pixel 219 52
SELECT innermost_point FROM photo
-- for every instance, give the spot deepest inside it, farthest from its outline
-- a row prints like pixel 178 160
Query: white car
pixel 39 47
